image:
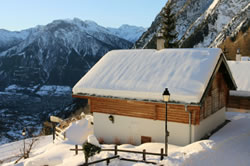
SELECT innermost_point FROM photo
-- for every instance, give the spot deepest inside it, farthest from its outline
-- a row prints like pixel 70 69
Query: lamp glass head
pixel 166 95
pixel 24 132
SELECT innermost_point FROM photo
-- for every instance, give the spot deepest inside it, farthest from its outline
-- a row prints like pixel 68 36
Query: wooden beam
pixel 140 109
pixel 155 113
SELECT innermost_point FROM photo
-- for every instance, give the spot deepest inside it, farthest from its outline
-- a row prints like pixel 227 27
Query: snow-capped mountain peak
pixel 62 51
pixel 202 23
pixel 128 32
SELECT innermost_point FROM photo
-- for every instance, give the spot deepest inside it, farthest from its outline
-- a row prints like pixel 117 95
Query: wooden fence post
pixel 162 154
pixel 54 131
pixel 76 149
pixel 64 135
pixel 115 150
pixel 86 160
pixel 144 155
pixel 108 162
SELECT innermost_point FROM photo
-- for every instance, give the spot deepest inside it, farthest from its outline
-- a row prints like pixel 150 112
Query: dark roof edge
pixel 221 60
pixel 86 95
pixel 229 72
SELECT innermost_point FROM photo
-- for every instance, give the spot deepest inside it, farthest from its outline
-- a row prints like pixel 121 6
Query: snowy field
pixel 229 146
pixel 44 90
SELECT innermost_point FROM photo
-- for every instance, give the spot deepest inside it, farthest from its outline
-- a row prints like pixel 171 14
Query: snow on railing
pixel 60 134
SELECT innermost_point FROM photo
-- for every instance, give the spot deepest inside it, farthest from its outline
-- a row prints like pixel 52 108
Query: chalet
pixel 125 88
pixel 239 101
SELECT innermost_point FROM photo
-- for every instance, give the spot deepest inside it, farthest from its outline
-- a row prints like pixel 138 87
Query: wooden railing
pixel 59 133
pixel 116 150
pixel 102 160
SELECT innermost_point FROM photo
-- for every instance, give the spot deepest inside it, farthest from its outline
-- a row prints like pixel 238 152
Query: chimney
pixel 238 55
pixel 160 41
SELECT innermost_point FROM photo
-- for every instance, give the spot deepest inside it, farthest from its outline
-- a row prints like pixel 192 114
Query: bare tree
pixel 28 146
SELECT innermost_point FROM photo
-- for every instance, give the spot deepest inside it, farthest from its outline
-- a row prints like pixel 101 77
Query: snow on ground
pixel 245 58
pixel 44 90
pixel 55 90
pixel 11 150
pixel 229 146
pixel 13 88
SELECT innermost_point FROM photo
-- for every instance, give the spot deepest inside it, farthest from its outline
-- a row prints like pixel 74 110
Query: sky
pixel 23 14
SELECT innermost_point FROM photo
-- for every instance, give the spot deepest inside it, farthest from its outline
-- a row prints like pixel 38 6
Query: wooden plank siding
pixel 216 98
pixel 239 102
pixel 141 109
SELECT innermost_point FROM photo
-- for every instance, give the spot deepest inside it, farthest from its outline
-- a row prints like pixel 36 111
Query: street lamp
pixel 24 133
pixel 166 97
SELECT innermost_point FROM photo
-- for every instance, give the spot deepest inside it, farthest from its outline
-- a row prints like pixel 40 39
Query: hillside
pixel 241 41
pixel 38 67
pixel 202 23
pixel 59 53
pixel 227 147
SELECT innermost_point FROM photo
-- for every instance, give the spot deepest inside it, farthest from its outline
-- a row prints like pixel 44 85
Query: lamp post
pixel 24 133
pixel 166 97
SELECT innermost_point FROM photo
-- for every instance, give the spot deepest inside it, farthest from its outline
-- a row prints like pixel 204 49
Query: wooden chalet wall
pixel 239 102
pixel 216 97
pixel 141 109
pixel 215 100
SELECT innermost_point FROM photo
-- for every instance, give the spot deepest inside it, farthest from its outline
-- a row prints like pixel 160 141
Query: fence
pixel 60 134
pixel 116 150
pixel 102 160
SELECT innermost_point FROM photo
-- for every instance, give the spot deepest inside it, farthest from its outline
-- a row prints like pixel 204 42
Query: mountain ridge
pixel 6 35
pixel 39 65
pixel 201 23
pixel 58 53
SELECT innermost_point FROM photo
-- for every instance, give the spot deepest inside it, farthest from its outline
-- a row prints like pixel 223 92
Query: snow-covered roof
pixel 144 74
pixel 241 74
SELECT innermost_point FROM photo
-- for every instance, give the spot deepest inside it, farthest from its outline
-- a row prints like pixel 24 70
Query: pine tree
pixel 89 150
pixel 168 27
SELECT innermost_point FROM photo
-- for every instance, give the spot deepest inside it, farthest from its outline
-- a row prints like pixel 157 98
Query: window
pixel 145 139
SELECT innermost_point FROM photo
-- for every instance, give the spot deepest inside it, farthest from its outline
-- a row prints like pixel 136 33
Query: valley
pixel 20 108
pixel 39 66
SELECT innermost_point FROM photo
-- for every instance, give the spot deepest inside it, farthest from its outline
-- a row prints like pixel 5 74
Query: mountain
pixel 9 39
pixel 128 32
pixel 59 53
pixel 240 40
pixel 202 23
pixel 38 67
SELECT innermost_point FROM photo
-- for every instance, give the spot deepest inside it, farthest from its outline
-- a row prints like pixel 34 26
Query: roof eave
pixel 89 96
pixel 221 60
pixel 229 72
